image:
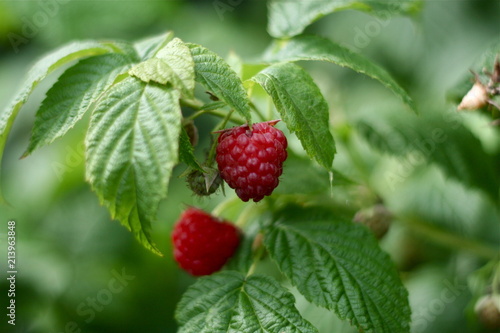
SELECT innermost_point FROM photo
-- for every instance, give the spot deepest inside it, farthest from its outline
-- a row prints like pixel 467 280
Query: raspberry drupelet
pixel 251 160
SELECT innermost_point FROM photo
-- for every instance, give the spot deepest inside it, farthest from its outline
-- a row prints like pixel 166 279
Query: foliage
pixel 139 97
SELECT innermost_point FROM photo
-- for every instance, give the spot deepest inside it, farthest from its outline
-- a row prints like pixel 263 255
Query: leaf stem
pixel 194 115
pixel 217 211
pixel 446 238
pixel 222 124
pixel 257 111
pixel 192 103
pixel 198 106
pixel 234 118
pixel 218 113
pixel 258 255
pixel 245 215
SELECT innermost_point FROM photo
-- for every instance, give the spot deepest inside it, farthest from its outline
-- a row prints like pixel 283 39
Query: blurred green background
pixel 68 249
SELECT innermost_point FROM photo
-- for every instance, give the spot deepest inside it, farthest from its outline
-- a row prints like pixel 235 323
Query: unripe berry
pixel 376 218
pixel 204 183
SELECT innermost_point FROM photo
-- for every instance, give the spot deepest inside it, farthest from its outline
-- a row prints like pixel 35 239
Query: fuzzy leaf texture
pixel 289 18
pixel 339 265
pixel 302 107
pixel 218 77
pixel 322 49
pixel 73 94
pixel 229 302
pixel 132 147
pixel 39 71
pixel 171 64
pixel 442 140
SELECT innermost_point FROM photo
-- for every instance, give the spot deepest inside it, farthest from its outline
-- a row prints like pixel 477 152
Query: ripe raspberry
pixel 203 243
pixel 250 161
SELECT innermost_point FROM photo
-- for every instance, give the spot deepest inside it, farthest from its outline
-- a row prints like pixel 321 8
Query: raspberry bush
pixel 292 226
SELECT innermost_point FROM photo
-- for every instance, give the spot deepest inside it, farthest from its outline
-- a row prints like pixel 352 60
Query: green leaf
pixel 38 72
pixel 441 139
pixel 123 47
pixel 148 47
pixel 186 151
pixel 218 77
pixel 230 302
pixel 132 147
pixel 302 107
pixel 73 94
pixel 338 265
pixel 322 49
pixel 288 18
pixel 171 64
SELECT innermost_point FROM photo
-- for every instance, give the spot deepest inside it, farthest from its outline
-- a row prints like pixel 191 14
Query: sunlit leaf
pixel 171 64
pixel 73 94
pixel 132 147
pixel 218 77
pixel 148 47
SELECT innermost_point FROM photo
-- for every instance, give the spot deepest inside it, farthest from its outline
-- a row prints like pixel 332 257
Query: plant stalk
pixel 448 239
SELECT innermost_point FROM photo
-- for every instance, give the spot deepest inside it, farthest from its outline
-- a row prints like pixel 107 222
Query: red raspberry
pixel 203 243
pixel 251 160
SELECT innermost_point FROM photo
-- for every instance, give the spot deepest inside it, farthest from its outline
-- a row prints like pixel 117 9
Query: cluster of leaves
pixel 334 263
pixel 135 93
pixel 446 183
